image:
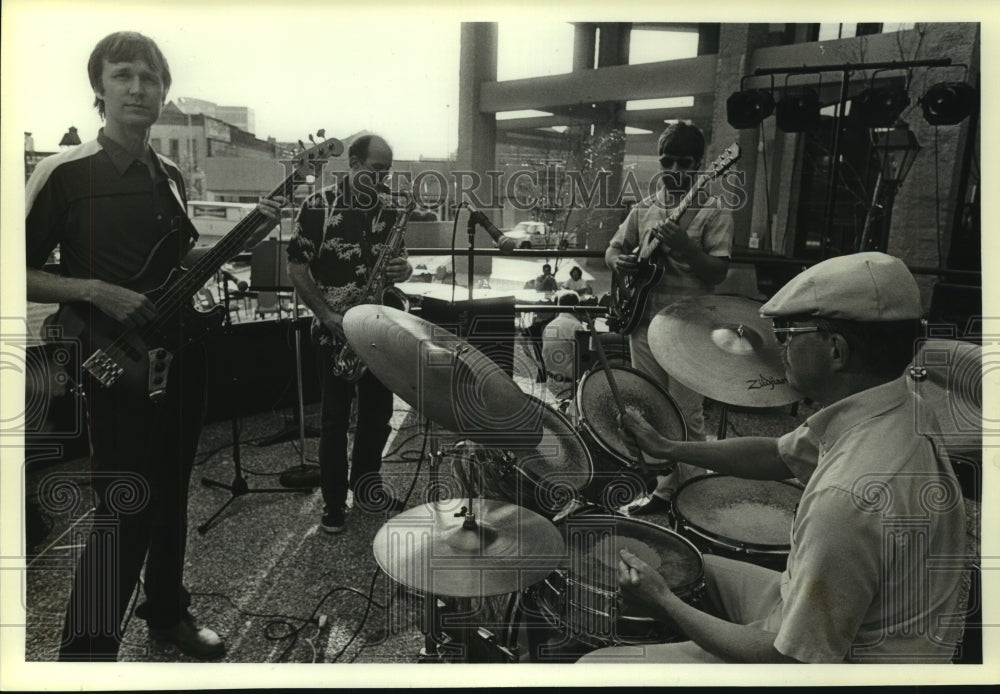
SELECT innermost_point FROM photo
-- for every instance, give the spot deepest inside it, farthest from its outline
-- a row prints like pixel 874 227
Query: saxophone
pixel 378 290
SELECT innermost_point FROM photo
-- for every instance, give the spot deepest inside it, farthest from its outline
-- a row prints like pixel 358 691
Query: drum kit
pixel 532 543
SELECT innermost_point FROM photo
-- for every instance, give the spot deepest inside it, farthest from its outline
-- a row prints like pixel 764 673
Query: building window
pixel 175 149
pixel 156 144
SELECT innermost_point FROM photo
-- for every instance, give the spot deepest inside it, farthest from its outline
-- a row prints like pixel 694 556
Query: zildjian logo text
pixel 763 381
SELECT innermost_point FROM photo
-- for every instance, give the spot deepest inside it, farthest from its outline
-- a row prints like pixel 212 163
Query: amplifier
pixel 487 324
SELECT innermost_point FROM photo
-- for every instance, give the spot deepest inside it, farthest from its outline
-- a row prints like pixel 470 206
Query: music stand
pixel 239 486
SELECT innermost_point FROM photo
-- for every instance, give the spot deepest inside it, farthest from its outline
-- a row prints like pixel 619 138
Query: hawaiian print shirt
pixel 340 238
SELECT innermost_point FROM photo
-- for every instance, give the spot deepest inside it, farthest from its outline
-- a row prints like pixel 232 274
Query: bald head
pixel 370 162
pixel 365 146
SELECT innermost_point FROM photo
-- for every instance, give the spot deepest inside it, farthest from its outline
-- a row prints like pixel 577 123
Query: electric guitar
pixel 140 357
pixel 629 293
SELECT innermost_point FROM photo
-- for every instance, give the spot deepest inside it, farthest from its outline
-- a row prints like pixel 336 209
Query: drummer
pixel 871 573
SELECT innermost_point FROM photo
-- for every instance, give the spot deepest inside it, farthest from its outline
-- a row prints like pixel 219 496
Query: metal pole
pixel 831 198
pixel 298 377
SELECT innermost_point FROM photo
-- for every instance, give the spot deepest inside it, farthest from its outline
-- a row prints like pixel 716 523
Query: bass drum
pixel 581 599
pixel 750 520
pixel 597 413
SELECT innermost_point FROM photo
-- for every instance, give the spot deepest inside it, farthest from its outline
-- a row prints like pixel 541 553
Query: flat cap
pixel 866 286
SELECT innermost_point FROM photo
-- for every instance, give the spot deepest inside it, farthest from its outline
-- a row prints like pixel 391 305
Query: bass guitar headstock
pixel 321 151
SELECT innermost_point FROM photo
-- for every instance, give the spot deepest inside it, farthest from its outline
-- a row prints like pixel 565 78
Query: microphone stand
pixel 239 486
pixel 471 231
pixel 302 475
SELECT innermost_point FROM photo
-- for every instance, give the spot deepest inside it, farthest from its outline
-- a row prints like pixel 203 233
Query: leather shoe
pixel 193 640
pixel 656 504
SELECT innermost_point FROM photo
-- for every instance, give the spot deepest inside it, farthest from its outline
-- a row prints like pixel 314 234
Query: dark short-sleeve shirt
pixel 339 235
pixel 105 209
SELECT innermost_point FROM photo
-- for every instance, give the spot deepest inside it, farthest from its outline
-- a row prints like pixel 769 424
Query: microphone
pixel 230 277
pixel 503 242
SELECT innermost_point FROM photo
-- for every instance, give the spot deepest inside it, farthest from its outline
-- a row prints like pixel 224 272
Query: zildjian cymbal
pixel 443 377
pixel 719 346
pixel 440 549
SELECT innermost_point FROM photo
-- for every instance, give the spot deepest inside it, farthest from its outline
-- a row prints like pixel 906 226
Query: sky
pixel 305 67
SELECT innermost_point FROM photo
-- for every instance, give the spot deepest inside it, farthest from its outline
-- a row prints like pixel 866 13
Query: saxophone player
pixel 339 234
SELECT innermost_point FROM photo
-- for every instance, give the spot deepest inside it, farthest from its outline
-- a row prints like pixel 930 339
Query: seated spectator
pixel 577 283
pixel 559 347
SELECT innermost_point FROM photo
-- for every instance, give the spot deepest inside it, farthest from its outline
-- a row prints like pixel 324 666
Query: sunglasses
pixel 783 330
pixel 668 160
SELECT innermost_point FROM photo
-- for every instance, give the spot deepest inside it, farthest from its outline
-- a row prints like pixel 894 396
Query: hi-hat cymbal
pixel 443 377
pixel 719 346
pixel 430 549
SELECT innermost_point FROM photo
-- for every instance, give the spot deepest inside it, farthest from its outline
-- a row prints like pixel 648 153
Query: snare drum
pixel 598 417
pixel 582 600
pixel 743 519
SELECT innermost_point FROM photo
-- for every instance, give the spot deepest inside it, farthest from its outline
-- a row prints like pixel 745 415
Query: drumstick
pixel 614 386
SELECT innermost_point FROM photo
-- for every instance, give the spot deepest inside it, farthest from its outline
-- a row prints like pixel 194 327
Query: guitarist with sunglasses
pixel 694 254
pixel 116 208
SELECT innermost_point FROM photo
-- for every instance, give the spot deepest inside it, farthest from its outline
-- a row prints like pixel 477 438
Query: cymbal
pixel 443 377
pixel 719 346
pixel 428 548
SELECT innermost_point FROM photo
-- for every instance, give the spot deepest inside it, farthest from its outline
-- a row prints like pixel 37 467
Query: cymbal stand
pixel 434 639
pixel 723 420
pixel 456 642
pixel 615 393
pixel 238 487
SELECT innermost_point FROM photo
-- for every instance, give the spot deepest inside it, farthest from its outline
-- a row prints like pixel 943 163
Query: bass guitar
pixel 140 357
pixel 629 293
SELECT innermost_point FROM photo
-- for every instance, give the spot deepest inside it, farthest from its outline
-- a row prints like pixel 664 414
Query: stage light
pixel 798 110
pixel 747 109
pixel 879 107
pixel 948 103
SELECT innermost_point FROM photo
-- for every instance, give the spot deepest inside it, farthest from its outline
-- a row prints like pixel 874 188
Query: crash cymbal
pixel 719 346
pixel 437 549
pixel 443 377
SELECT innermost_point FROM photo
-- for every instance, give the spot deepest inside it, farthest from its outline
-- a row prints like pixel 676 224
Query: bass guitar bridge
pixel 102 367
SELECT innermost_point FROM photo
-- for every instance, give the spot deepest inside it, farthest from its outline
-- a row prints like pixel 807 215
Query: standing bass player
pixel 117 209
pixel 695 257
pixel 339 234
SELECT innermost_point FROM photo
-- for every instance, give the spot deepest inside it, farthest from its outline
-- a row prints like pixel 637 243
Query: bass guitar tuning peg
pixel 321 133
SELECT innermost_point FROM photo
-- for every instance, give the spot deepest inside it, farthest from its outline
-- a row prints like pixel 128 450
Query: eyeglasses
pixel 783 331
pixel 667 161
